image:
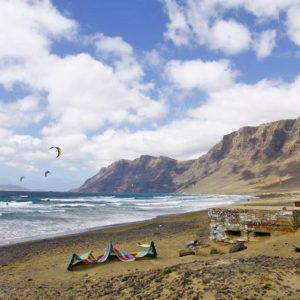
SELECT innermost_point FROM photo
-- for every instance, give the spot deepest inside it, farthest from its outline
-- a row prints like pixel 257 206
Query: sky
pixel 113 79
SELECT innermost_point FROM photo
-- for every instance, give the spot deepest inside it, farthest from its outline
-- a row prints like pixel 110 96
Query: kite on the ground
pixel 89 258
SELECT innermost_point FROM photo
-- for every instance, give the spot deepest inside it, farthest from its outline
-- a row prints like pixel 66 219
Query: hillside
pixel 144 174
pixel 265 158
pixel 11 187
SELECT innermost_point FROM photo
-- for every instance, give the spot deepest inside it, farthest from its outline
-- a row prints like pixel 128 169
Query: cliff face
pixel 252 159
pixel 144 174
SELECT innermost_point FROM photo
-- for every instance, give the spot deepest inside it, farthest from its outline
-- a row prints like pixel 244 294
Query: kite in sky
pixel 58 150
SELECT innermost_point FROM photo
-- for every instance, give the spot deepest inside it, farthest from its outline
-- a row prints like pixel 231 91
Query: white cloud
pixel 178 29
pixel 229 36
pixel 244 104
pixel 112 45
pixel 79 93
pixel 16 147
pixel 204 75
pixel 182 139
pixel 263 9
pixel 223 112
pixel 199 21
pixel 83 92
pixel 293 24
pixel 20 113
pixel 265 43
pixel 120 55
pixel 153 58
pixel 28 27
pixel 266 8
pixel 205 23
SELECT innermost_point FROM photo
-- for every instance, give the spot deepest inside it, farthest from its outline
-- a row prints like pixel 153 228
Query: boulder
pixel 239 246
pixel 186 252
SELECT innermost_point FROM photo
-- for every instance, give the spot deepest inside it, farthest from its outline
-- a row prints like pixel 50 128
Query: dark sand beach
pixel 267 269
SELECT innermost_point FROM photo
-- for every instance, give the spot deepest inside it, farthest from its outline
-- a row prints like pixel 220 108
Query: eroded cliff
pixel 251 159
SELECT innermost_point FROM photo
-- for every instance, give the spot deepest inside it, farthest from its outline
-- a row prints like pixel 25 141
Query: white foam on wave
pixel 163 197
pixel 15 204
pixel 65 199
pixel 63 215
pixel 43 211
pixel 73 205
pixel 162 209
pixel 117 200
pixel 180 197
pixel 79 199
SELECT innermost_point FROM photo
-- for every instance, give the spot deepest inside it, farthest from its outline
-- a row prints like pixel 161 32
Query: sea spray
pixel 36 215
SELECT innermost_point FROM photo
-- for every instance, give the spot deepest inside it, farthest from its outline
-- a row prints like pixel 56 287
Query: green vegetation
pixel 167 271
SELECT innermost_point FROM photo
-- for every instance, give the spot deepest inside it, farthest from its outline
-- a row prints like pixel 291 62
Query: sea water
pixel 36 215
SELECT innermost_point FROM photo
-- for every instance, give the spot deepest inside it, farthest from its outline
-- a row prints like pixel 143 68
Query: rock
pixel 239 246
pixel 186 252
pixel 297 248
pixel 188 273
pixel 267 286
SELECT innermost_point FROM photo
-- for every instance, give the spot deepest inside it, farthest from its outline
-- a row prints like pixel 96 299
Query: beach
pixel 150 150
pixel 268 269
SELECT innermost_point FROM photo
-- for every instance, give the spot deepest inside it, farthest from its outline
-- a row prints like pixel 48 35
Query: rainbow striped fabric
pixel 89 258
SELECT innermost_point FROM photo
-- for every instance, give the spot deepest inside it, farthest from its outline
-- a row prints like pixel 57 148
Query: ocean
pixel 35 215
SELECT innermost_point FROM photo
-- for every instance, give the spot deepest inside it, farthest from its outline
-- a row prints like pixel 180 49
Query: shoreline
pixel 25 240
pixel 70 236
pixel 96 229
pixel 38 269
pixel 87 234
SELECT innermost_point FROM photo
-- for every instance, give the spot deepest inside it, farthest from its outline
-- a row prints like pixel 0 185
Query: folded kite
pixel 89 258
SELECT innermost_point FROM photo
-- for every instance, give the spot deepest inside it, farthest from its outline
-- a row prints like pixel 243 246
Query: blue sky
pixel 113 79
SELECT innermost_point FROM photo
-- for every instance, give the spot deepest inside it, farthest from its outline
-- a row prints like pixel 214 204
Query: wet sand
pixel 267 269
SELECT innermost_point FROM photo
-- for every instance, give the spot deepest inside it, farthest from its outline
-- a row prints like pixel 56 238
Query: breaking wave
pixel 38 215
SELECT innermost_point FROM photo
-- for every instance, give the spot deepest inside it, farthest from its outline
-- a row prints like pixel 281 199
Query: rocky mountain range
pixel 265 158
